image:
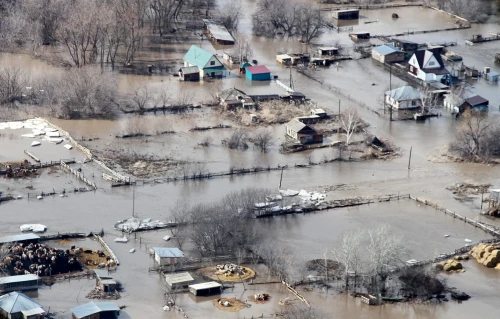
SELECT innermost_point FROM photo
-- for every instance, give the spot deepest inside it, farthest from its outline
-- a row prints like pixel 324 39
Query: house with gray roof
pixel 387 54
pixel 96 310
pixel 208 63
pixel 16 305
pixel 302 133
pixel 405 97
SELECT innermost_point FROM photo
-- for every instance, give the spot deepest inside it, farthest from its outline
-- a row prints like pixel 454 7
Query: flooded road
pixel 423 227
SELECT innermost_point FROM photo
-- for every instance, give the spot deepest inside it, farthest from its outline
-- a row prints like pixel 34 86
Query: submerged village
pixel 249 159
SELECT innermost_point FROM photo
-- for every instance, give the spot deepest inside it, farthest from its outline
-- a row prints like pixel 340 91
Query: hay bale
pixel 465 257
pixel 458 258
pixel 490 262
pixel 438 266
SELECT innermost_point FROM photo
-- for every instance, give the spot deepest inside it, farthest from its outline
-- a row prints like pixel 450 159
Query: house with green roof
pixel 207 62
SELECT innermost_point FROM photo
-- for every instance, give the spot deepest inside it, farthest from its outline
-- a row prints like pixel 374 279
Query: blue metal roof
pixel 19 278
pixel 168 252
pixel 198 56
pixel 17 302
pixel 92 308
pixel 386 49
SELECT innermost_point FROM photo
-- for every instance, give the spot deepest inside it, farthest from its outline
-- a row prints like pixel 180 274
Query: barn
pixel 258 73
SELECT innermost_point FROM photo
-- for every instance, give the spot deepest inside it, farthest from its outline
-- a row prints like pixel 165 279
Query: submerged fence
pixel 78 174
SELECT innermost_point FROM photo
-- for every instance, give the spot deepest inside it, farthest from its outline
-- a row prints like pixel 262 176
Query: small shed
pixel 243 66
pixel 355 36
pixel 302 133
pixel 328 51
pixel 492 76
pixel 21 238
pixel 189 73
pixel 405 45
pixel 104 280
pixel 284 58
pixel 258 73
pixel 179 280
pixel 167 256
pixel 16 305
pixel 206 289
pixel 319 112
pixel 19 283
pixel 387 54
pixel 476 102
pixel 347 14
pixel 96 310
pixel 218 32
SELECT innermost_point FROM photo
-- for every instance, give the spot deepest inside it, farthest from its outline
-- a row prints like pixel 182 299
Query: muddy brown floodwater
pixel 311 234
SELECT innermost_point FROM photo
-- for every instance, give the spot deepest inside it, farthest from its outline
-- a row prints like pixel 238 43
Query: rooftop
pixel 178 278
pixel 102 273
pixel 347 10
pixel 477 100
pixel 328 48
pixel 20 278
pixel 205 285
pixel 386 49
pixel 20 237
pixel 218 31
pixel 197 56
pixel 404 93
pixel 295 125
pixel 190 70
pixel 168 252
pixel 17 302
pixel 32 312
pixel 258 69
pixel 92 308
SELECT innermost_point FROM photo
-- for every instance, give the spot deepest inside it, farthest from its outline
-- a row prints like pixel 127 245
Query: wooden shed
pixel 356 36
pixel 179 280
pixel 387 54
pixel 206 289
pixel 347 14
pixel 190 73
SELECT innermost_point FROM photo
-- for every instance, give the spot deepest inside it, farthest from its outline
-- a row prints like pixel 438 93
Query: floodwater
pixel 423 227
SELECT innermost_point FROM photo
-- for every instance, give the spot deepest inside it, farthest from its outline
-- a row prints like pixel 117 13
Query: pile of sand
pixel 487 255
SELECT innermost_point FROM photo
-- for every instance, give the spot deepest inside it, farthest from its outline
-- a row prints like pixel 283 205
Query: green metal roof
pixel 214 69
pixel 198 56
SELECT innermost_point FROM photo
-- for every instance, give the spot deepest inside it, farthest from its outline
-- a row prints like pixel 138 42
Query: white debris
pixel 288 192
pixel 35 143
pixel 54 140
pixel 166 238
pixel 147 220
pixel 132 224
pixel 68 146
pixel 262 205
pixel 28 135
pixel 273 198
pixel 19 197
pixel 52 134
pixel 132 250
pixel 36 228
pixel 468 240
pixel 121 240
pixel 39 197
pixel 446 236
pixel 166 308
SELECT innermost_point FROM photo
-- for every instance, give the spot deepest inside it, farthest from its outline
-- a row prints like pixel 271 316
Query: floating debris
pixel 132 250
pixel 121 240
pixel 36 228
pixel 28 135
pixel 135 224
pixel 289 192
pixel 54 140
pixel 54 133
pixel 166 238
pixel 446 236
pixel 35 143
pixel 68 146
pixel 468 240
pixel 39 197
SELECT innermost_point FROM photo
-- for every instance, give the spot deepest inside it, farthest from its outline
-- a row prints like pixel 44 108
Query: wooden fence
pixel 106 247
pixel 78 174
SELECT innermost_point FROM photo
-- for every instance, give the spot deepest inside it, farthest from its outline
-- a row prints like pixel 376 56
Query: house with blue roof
pixel 207 62
pixel 387 54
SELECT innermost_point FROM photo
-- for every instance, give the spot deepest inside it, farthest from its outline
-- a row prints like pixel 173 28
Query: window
pixel 413 103
pixel 411 68
pixel 431 63
pixel 212 62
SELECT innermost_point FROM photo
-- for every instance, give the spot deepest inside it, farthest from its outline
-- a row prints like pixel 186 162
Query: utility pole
pixel 291 80
pixel 339 108
pixel 390 89
pixel 281 178
pixel 409 160
pixel 133 201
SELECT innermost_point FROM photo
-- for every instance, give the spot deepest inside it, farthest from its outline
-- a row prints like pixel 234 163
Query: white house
pixel 405 97
pixel 427 65
pixel 208 64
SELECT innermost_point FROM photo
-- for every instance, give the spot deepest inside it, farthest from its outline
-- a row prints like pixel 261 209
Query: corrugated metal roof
pixel 197 56
pixel 386 49
pixel 20 237
pixel 103 274
pixel 17 302
pixel 108 282
pixel 477 100
pixel 92 308
pixel 218 31
pixel 34 311
pixel 205 285
pixel 328 48
pixel 258 69
pixel 404 93
pixel 295 125
pixel 190 70
pixel 178 278
pixel 168 252
pixel 20 278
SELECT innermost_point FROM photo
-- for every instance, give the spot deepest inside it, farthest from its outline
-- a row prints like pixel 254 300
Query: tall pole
pixel 281 178
pixel 339 108
pixel 390 89
pixel 409 159
pixel 133 201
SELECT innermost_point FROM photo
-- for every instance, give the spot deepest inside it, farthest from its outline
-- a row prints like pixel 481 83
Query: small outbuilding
pixel 243 67
pixel 405 45
pixel 284 59
pixel 218 32
pixel 189 73
pixel 348 14
pixel 206 289
pixel 19 283
pixel 167 256
pixel 96 310
pixel 302 133
pixel 179 280
pixel 387 54
pixel 328 51
pixel 320 113
pixel 104 280
pixel 258 73
pixel 233 99
pixel 16 305
pixel 405 97
pixel 355 36
pixel 476 103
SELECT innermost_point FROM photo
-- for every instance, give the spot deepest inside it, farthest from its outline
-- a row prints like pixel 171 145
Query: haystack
pixel 487 255
pixel 229 304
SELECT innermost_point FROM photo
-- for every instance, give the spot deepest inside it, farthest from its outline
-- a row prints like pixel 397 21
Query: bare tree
pixel 470 136
pixel 140 96
pixel 230 13
pixel 428 100
pixel 206 140
pixel 243 48
pixel 237 140
pixel 163 97
pixel 13 82
pixel 350 123
pixel 301 311
pixel 385 251
pixel 263 139
pixel 349 251
pixel 214 87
